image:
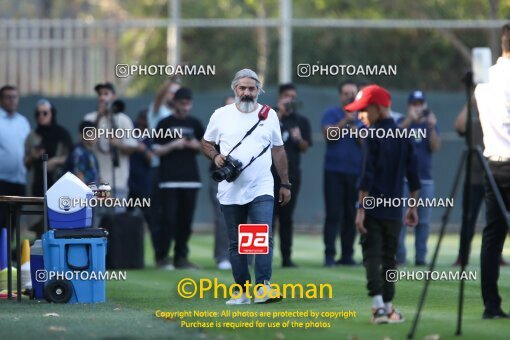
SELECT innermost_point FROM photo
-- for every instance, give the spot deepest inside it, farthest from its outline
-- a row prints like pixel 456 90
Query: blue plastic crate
pixel 83 258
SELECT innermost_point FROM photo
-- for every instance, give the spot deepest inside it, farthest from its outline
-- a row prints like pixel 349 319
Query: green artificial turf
pixel 130 310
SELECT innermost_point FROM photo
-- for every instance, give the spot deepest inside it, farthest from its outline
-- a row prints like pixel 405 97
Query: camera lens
pixel 219 175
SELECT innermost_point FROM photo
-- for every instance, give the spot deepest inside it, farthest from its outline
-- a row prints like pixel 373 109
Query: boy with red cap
pixel 386 161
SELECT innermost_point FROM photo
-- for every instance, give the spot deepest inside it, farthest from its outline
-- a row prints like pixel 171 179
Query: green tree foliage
pixel 433 59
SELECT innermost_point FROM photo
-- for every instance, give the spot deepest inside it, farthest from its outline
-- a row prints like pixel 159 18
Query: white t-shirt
pixel 103 154
pixel 493 100
pixel 226 127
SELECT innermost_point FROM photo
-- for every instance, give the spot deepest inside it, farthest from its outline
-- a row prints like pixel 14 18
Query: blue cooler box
pixel 73 260
pixel 67 202
pixel 36 265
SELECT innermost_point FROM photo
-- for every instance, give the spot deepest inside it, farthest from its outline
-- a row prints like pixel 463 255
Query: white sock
pixel 388 306
pixel 377 301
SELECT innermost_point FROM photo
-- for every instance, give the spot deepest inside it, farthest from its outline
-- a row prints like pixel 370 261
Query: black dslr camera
pixel 229 172
pixel 292 106
pixel 188 134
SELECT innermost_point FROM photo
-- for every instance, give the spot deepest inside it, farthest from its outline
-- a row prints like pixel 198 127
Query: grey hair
pixel 246 73
pixel 43 101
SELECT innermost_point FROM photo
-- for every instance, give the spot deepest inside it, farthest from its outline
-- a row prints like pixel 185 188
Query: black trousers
pixel 379 246
pixel 467 230
pixel 156 215
pixel 145 210
pixel 9 189
pixel 494 235
pixel 284 216
pixel 340 195
pixel 178 210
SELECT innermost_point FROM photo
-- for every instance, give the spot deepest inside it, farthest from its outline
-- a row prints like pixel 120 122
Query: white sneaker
pixel 243 300
pixel 267 294
pixel 165 264
pixel 168 266
pixel 224 265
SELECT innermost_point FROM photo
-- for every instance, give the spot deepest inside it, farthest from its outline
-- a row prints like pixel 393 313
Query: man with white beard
pixel 250 195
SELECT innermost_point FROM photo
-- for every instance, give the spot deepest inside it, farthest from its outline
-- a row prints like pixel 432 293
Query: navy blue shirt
pixel 386 161
pixel 343 155
pixel 139 169
pixel 422 149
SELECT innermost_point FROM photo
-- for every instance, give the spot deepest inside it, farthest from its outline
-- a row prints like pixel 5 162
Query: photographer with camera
pixel 109 116
pixel 493 100
pixel 297 138
pixel 420 117
pixel 179 179
pixel 112 154
pixel 244 131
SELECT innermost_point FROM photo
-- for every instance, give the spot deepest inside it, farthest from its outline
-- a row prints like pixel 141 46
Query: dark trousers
pixel 340 195
pixel 145 210
pixel 285 220
pixel 494 235
pixel 379 246
pixel 156 215
pixel 258 211
pixel 9 189
pixel 178 210
pixel 467 230
pixel 220 230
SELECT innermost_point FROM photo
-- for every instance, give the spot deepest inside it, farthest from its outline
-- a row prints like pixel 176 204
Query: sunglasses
pixel 44 113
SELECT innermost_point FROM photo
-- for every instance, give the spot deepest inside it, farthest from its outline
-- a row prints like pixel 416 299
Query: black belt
pixel 498 159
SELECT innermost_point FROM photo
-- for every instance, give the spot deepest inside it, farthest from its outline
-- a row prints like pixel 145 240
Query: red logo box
pixel 253 238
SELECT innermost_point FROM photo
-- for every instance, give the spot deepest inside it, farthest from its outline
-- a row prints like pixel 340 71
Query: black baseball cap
pixel 107 86
pixel 183 93
pixel 416 96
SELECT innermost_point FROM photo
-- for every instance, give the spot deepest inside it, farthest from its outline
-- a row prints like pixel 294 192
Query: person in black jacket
pixel 47 138
pixel 297 138
pixel 386 161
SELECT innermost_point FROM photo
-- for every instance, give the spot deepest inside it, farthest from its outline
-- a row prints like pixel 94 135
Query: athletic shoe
pixel 266 294
pixel 165 264
pixel 224 265
pixel 499 314
pixel 458 263
pixel 329 262
pixel 345 262
pixel 379 316
pixel 502 262
pixel 242 300
pixel 184 263
pixel 395 316
pixel 288 264
pixel 420 263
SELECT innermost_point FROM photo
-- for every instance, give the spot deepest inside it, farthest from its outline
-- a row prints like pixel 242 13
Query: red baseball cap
pixel 372 94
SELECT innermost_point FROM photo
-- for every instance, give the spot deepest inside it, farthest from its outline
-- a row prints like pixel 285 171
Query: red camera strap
pixel 263 113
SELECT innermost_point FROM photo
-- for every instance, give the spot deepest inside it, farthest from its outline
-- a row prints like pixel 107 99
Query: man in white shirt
pixel 103 148
pixel 493 100
pixel 14 129
pixel 251 194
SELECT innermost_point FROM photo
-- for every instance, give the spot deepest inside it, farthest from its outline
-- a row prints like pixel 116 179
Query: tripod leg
pixel 444 222
pixel 465 220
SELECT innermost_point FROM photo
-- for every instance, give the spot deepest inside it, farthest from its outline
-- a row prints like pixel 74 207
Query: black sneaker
pixel 494 315
pixel 379 316
pixel 329 262
pixel 183 263
pixel 288 264
pixel 345 262
pixel 420 264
